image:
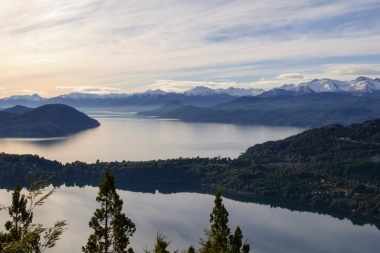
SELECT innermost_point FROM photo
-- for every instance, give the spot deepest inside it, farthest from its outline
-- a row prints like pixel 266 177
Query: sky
pixel 125 46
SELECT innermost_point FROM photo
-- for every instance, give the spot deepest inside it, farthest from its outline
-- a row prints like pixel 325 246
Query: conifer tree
pixel 112 228
pixel 161 244
pixel 18 211
pixel 191 249
pixel 219 238
pixel 22 235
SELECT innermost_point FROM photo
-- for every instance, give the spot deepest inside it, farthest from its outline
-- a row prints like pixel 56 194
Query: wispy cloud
pixel 355 69
pixel 89 89
pixel 290 76
pixel 128 44
pixel 180 86
pixel 8 93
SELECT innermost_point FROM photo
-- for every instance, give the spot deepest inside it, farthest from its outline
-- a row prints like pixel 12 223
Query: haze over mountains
pixel 310 104
pixel 362 86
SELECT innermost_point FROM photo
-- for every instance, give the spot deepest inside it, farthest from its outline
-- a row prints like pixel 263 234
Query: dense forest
pixel 329 168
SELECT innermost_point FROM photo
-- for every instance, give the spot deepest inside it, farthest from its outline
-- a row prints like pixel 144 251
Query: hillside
pixel 18 109
pixel 333 169
pixel 45 121
pixel 332 141
pixel 308 110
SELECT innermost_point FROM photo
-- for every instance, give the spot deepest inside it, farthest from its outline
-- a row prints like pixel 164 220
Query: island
pixel 51 120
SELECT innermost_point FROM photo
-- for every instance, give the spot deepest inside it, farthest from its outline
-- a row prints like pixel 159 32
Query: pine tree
pixel 22 234
pixel 112 228
pixel 191 249
pixel 21 217
pixel 161 244
pixel 219 238
pixel 236 242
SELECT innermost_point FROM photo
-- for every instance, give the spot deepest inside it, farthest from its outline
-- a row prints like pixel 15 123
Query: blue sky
pixel 55 47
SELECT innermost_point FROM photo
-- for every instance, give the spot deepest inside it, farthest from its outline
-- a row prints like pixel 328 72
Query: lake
pixel 125 136
pixel 182 217
pixel 183 214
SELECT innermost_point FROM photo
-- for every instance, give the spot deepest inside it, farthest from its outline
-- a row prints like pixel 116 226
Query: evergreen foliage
pixel 191 249
pixel 22 235
pixel 161 245
pixel 219 238
pixel 112 228
pixel 21 218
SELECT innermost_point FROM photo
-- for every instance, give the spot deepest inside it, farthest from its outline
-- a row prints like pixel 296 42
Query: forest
pixel 333 168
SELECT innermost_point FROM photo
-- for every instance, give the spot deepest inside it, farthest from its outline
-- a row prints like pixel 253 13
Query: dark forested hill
pixel 18 109
pixel 309 110
pixel 45 121
pixel 329 142
pixel 332 168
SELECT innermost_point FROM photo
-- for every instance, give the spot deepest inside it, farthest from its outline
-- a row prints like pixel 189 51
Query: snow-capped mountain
pixel 34 97
pixel 200 95
pixel 201 91
pixel 235 92
pixel 325 85
pixel 289 87
pixel 152 92
pixel 365 86
pixel 78 95
pixel 240 92
pixel 359 87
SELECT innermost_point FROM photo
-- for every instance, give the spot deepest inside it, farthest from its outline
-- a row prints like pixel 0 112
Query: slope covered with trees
pixel 330 168
pixel 44 121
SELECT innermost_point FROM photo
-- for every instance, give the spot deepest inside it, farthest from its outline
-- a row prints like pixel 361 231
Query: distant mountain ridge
pixel 309 104
pixel 200 95
pixel 361 86
pixel 54 120
pixel 308 110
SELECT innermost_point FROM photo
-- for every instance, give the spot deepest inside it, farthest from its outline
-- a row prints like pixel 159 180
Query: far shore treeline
pixel 330 168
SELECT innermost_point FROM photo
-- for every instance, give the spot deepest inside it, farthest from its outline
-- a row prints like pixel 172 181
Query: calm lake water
pixel 125 136
pixel 181 216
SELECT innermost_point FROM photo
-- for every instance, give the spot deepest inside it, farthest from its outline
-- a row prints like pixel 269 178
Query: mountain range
pixel 310 104
pixel 200 95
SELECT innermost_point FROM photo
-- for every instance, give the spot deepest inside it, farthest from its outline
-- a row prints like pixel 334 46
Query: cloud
pixel 355 70
pixel 90 89
pixel 129 44
pixel 180 86
pixel 7 93
pixel 290 76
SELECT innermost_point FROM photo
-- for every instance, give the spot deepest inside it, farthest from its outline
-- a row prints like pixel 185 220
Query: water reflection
pixel 124 136
pixel 182 216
